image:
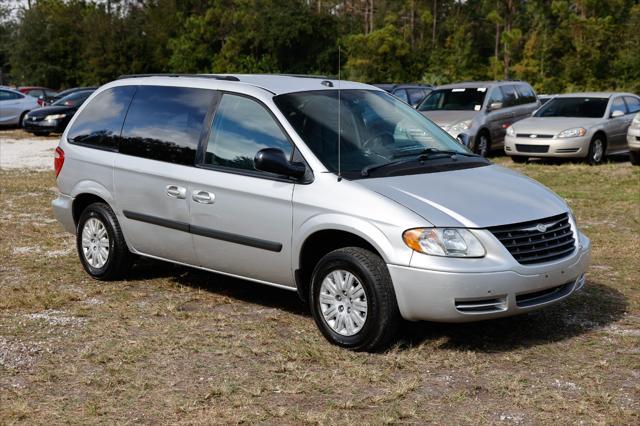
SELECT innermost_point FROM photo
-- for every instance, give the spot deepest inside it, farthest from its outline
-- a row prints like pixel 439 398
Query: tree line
pixel 556 45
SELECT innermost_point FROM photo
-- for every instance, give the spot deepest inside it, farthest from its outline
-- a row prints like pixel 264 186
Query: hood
pixel 44 111
pixel 472 198
pixel 552 125
pixel 448 118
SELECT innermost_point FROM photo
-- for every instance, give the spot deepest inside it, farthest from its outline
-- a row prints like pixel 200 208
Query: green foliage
pixel 557 45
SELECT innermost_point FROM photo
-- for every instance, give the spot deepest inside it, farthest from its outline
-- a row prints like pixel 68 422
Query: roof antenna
pixel 339 119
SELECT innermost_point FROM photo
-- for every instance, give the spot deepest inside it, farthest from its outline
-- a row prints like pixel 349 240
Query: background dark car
pixel 43 94
pixel 67 92
pixel 54 118
pixel 412 94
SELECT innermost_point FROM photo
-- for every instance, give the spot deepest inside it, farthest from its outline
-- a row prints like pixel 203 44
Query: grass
pixel 175 345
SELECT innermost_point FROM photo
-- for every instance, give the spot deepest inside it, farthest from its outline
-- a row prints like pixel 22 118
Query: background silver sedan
pixel 14 106
pixel 579 125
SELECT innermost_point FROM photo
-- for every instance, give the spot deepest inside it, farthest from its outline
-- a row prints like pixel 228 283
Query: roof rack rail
pixel 318 76
pixel 212 76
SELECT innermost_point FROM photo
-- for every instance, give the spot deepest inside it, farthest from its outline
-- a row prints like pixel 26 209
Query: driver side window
pixel 495 96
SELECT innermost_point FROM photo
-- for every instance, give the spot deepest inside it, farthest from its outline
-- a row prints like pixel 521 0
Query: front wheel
pixel 597 149
pixel 353 301
pixel 100 243
pixel 482 145
pixel 634 157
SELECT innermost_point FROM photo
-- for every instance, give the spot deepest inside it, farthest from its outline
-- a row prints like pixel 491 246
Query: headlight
pixel 450 242
pixel 510 131
pixel 459 127
pixel 573 133
pixel 636 119
pixel 54 117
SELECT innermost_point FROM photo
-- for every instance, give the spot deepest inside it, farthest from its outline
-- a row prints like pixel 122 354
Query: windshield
pixel 458 99
pixel 573 107
pixel 376 128
pixel 73 99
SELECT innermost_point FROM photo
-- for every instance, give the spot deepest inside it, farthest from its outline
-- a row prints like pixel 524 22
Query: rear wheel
pixel 519 159
pixel 597 149
pixel 353 301
pixel 634 157
pixel 100 243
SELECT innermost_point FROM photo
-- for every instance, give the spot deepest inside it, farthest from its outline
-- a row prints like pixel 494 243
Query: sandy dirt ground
pixel 27 153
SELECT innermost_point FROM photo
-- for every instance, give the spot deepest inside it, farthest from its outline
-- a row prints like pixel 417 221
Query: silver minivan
pixel 334 189
pixel 477 113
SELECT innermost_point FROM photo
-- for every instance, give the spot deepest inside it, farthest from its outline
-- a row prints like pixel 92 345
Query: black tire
pixel 594 157
pixel 21 119
pixel 482 144
pixel 119 259
pixel 41 133
pixel 382 318
pixel 634 157
pixel 520 159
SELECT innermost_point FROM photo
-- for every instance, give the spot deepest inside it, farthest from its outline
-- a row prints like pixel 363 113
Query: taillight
pixel 58 160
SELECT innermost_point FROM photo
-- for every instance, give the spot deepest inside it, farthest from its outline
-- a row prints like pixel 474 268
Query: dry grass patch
pixel 175 345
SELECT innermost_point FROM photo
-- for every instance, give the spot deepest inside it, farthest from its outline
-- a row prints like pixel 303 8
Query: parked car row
pixel 22 108
pixel 489 115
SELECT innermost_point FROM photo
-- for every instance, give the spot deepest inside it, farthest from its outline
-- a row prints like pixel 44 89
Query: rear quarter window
pixel 99 124
pixel 164 123
pixel 527 95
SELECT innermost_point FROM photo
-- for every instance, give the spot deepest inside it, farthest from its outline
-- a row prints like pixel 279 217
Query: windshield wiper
pixel 429 152
pixel 425 154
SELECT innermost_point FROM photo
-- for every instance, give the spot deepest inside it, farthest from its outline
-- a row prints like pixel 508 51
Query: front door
pixel 240 217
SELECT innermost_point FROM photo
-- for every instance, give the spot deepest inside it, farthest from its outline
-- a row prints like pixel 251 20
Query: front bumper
pixel 51 126
pixel 633 139
pixel 431 295
pixel 543 147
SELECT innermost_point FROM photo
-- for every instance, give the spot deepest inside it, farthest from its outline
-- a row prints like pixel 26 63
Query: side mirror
pixel 273 160
pixel 495 105
pixel 616 114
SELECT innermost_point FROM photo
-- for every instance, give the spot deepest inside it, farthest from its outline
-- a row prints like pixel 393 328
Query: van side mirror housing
pixel 273 160
pixel 495 105
pixel 616 114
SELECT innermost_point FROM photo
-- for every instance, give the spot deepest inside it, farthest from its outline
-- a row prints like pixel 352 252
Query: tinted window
pixel 573 107
pixel 99 124
pixel 415 96
pixel 5 95
pixel 510 95
pixel 527 96
pixel 496 96
pixel 633 104
pixel 75 99
pixel 458 99
pixel 241 128
pixel 618 105
pixel 164 123
pixel 402 95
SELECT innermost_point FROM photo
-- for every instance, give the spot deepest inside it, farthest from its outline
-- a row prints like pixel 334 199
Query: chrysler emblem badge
pixel 541 227
pixel 533 136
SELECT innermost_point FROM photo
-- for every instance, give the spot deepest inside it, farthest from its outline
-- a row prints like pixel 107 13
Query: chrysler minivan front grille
pixel 537 241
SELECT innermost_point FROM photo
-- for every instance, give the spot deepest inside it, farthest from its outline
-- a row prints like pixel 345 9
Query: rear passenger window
pixel 164 123
pixel 99 124
pixel 527 96
pixel 9 96
pixel 633 104
pixel 240 129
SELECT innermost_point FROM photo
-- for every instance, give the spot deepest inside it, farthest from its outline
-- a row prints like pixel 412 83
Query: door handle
pixel 175 191
pixel 203 197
